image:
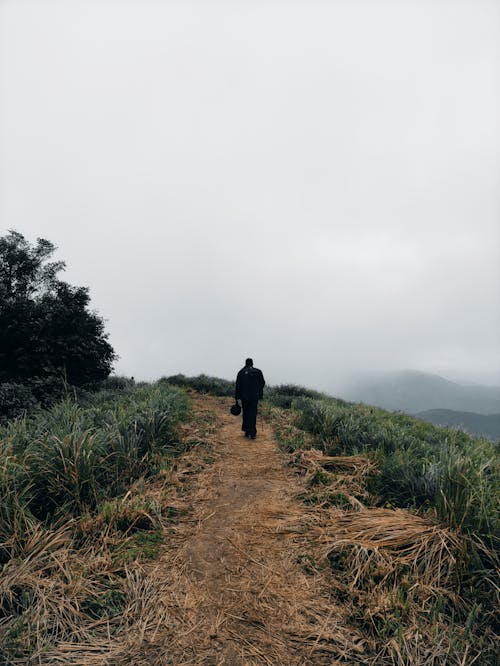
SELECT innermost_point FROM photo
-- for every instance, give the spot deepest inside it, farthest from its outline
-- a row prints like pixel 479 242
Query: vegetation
pixel 418 465
pixel 202 384
pixel 280 396
pixel 284 394
pixel 49 339
pixel 66 501
pixel 413 537
pixel 406 517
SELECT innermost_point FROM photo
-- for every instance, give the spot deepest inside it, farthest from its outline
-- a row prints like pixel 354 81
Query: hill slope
pixel 482 425
pixel 413 392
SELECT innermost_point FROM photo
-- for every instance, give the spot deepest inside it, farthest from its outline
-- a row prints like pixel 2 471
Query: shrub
pixel 284 395
pixel 46 328
pixel 15 399
pixel 279 396
pixel 116 383
pixel 203 384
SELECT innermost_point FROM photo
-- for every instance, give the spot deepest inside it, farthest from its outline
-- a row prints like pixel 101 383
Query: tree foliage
pixel 47 332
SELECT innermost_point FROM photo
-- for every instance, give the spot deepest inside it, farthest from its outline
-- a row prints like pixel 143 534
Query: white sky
pixel 314 184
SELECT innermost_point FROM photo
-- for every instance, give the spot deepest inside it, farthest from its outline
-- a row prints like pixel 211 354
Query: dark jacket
pixel 249 384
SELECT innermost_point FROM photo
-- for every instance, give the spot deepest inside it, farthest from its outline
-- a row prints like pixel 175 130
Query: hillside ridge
pixel 413 392
pixel 479 425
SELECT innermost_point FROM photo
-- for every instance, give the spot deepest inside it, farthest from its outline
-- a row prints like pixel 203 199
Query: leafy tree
pixel 47 332
pixel 23 271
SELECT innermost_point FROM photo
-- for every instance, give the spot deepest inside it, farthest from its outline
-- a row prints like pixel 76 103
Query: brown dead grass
pixel 333 480
pixel 383 548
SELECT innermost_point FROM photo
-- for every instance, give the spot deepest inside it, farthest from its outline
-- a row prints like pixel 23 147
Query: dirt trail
pixel 238 586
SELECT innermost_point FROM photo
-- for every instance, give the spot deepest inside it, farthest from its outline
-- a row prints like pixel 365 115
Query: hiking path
pixel 238 584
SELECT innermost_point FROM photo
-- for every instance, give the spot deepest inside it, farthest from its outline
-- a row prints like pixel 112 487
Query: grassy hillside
pixel 418 465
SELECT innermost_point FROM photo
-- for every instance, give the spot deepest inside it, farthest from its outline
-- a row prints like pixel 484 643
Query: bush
pixel 116 383
pixel 285 395
pixel 203 384
pixel 15 399
pixel 279 396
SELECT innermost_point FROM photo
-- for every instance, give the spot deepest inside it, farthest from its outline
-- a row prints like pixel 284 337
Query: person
pixel 249 389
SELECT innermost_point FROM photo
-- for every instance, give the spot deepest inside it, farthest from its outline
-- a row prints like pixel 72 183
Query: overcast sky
pixel 314 184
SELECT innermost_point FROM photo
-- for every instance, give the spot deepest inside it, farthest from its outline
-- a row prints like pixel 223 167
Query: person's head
pixel 248 363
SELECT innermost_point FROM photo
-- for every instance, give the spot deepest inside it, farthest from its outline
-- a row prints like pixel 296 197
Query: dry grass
pixel 400 575
pixel 226 589
pixel 290 437
pixel 234 591
pixel 313 459
pixel 333 480
pixel 431 552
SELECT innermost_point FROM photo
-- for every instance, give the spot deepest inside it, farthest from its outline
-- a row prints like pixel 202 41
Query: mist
pixel 311 184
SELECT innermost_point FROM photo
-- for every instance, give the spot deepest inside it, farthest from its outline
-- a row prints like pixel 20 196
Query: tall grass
pixel 65 461
pixel 284 395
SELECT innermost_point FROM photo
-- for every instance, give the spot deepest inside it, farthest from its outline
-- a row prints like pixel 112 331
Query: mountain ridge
pixel 413 392
pixel 481 425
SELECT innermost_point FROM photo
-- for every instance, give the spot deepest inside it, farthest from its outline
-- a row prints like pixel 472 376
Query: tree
pixel 47 332
pixel 23 271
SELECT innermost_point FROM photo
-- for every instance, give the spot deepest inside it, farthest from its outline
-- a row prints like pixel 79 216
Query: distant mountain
pixel 481 425
pixel 413 392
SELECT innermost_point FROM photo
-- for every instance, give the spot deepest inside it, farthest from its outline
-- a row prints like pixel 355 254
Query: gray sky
pixel 314 184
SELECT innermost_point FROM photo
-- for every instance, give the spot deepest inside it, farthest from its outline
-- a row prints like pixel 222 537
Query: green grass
pixel 65 473
pixel 141 546
pixel 279 396
pixel 67 460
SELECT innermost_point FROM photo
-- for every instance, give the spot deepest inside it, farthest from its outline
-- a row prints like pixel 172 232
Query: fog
pixel 313 184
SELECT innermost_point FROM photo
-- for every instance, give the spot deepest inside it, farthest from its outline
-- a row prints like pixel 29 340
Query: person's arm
pixel 238 387
pixel 262 383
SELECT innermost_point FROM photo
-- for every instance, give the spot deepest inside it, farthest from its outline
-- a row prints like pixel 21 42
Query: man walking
pixel 249 389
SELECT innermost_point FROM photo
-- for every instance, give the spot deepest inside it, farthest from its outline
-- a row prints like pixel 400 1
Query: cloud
pixel 313 184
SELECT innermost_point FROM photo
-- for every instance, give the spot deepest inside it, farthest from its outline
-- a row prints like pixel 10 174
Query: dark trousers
pixel 249 417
